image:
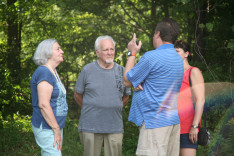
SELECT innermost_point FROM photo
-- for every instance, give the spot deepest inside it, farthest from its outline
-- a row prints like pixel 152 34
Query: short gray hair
pixel 43 51
pixel 100 38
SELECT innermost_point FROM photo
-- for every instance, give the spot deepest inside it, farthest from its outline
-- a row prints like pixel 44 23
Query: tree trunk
pixel 13 41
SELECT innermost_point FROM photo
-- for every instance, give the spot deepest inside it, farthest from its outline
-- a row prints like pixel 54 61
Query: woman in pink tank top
pixel 189 117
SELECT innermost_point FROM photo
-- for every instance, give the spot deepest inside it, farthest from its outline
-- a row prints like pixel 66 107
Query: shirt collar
pixel 165 46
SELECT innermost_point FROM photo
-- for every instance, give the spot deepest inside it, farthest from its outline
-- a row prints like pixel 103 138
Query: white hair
pixel 43 51
pixel 100 38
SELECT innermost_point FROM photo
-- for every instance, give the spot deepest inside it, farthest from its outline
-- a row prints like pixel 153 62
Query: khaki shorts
pixel 164 141
pixel 93 143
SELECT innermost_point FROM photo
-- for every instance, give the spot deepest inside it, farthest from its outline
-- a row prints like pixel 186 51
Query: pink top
pixel 185 105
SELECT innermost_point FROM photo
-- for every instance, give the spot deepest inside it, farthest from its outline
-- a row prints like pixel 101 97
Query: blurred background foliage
pixel 207 25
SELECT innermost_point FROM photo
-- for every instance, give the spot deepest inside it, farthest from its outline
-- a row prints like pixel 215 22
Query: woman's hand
pixel 57 138
pixel 193 135
pixel 198 91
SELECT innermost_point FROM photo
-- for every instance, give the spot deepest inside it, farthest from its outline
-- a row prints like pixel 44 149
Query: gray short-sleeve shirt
pixel 102 104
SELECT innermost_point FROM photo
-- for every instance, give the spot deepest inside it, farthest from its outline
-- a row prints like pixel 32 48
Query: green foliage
pixel 202 26
pixel 209 26
pixel 71 140
pixel 13 97
pixel 16 136
pixel 181 1
pixel 131 133
pixel 223 140
pixel 231 44
pixel 76 24
pixel 217 105
pixel 227 142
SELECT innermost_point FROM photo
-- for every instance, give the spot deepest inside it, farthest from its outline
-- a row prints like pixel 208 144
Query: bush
pixel 17 137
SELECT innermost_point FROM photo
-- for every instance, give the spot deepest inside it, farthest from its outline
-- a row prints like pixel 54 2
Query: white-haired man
pixel 101 94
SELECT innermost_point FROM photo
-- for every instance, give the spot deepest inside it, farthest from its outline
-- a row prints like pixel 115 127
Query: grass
pixel 17 138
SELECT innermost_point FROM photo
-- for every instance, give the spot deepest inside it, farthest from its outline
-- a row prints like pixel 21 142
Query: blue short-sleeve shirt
pixel 161 72
pixel 58 101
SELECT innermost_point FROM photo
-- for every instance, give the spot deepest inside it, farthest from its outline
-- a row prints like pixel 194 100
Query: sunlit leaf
pixel 209 26
pixel 231 45
pixel 202 26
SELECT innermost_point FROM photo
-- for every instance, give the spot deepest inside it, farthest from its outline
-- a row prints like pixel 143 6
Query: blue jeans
pixel 45 139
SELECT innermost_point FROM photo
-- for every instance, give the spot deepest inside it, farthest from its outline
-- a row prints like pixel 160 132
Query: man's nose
pixel 108 51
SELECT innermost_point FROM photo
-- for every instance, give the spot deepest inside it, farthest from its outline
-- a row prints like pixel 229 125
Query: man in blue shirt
pixel 157 78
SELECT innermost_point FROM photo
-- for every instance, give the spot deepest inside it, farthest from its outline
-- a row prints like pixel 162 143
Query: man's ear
pixel 158 34
pixel 97 53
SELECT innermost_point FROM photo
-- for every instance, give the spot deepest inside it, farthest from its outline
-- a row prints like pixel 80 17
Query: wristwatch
pixel 195 126
pixel 131 53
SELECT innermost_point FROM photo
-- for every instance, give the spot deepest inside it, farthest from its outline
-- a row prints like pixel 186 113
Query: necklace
pixel 57 78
